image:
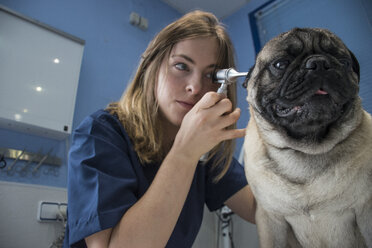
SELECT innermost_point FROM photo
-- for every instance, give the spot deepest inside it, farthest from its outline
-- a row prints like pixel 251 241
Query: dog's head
pixel 303 82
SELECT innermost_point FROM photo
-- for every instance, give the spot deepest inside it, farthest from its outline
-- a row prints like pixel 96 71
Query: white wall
pixel 207 236
pixel 18 215
pixel 244 233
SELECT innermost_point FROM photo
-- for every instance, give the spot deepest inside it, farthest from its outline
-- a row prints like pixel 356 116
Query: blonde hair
pixel 138 109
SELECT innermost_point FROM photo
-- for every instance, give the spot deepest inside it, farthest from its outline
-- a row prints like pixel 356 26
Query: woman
pixel 135 178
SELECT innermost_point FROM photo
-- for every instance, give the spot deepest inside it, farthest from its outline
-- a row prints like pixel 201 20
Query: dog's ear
pixel 245 83
pixel 355 65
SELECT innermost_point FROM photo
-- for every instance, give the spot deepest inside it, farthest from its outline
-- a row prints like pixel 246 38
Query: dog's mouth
pixel 311 114
pixel 285 111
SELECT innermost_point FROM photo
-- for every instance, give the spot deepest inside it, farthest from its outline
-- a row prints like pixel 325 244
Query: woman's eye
pixel 209 75
pixel 181 66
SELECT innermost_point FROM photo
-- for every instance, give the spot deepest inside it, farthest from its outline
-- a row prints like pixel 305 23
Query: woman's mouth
pixel 186 105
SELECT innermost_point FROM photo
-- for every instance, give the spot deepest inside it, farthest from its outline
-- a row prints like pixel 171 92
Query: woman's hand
pixel 205 125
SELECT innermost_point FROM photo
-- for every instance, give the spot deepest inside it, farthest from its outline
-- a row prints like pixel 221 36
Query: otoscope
pixel 226 77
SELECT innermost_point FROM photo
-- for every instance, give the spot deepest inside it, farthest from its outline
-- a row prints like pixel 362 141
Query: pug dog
pixel 308 143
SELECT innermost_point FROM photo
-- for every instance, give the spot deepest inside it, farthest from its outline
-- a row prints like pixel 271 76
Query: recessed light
pixel 56 61
pixel 17 117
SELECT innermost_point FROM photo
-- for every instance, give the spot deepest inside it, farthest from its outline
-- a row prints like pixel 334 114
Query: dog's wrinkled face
pixel 304 81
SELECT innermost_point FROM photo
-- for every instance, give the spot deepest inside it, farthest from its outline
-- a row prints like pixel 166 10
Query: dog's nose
pixel 317 63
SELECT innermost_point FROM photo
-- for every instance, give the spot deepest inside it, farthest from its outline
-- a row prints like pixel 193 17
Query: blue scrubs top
pixel 105 178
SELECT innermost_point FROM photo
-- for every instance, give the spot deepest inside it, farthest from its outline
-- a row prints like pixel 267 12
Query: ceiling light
pixel 17 117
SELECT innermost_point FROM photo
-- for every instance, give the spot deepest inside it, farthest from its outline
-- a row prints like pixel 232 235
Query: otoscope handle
pixel 222 89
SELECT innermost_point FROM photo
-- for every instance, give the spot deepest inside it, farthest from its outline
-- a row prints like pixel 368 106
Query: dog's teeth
pixel 284 112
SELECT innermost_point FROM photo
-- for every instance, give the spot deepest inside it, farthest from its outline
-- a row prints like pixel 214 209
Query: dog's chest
pixel 288 183
pixel 327 229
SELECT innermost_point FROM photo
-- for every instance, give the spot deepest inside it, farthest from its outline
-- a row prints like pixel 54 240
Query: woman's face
pixel 184 77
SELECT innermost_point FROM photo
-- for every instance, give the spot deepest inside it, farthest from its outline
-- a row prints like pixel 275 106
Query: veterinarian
pixel 135 178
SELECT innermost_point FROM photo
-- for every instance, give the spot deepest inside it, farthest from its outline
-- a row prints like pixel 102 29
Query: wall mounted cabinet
pixel 39 74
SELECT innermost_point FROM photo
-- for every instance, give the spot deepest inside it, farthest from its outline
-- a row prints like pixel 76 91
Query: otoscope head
pixel 222 76
pixel 226 77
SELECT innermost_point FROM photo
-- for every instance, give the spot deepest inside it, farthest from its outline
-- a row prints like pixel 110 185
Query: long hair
pixel 138 108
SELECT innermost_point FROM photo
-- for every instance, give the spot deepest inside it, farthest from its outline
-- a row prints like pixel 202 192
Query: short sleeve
pixel 102 182
pixel 230 183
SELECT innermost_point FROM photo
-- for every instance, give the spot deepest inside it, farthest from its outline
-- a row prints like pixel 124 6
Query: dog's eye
pixel 345 62
pixel 281 64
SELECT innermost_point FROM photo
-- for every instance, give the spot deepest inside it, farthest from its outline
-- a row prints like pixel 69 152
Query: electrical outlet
pixel 51 211
pixel 134 19
pixel 143 23
pixel 138 21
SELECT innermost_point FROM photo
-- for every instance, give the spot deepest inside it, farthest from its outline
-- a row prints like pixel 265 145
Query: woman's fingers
pixel 215 111
pixel 207 124
pixel 215 103
pixel 229 119
pixel 229 134
pixel 223 107
pixel 209 100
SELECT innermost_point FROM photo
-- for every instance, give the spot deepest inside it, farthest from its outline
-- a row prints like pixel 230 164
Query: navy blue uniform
pixel 105 178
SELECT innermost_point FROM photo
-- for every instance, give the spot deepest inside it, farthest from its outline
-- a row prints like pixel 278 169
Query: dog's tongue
pixel 321 92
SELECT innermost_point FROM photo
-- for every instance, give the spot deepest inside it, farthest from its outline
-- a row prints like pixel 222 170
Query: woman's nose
pixel 195 84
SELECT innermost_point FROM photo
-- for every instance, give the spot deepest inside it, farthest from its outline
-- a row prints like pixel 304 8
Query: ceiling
pixel 221 8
